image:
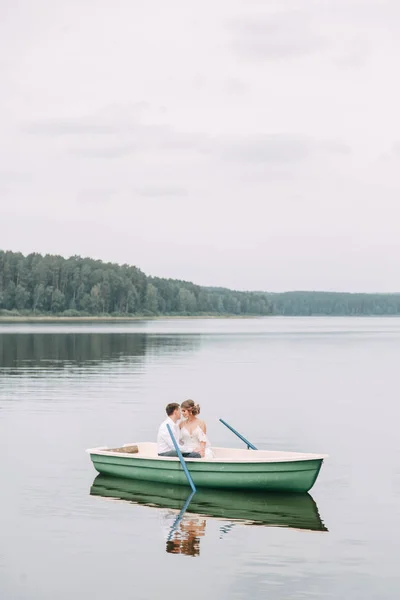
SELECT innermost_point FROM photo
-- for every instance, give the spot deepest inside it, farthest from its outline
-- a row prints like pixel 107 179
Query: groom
pixel 165 445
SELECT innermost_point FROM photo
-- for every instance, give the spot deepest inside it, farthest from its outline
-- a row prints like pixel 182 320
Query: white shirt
pixel 164 441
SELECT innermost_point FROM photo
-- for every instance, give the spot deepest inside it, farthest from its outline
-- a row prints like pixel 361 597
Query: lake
pixel 324 385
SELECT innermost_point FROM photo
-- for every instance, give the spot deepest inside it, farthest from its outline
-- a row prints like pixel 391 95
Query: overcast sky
pixel 251 144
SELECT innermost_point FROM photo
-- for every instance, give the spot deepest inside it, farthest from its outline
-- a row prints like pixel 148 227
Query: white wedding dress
pixel 191 441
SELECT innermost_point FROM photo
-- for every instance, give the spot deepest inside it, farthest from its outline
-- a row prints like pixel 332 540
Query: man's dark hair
pixel 170 408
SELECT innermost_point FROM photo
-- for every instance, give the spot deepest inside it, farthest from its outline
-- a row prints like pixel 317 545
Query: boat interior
pixel 148 450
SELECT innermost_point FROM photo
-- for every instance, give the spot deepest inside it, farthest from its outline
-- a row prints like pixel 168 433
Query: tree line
pixel 76 286
pixel 335 304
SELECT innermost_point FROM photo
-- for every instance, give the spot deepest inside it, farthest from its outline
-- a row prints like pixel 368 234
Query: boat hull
pixel 281 476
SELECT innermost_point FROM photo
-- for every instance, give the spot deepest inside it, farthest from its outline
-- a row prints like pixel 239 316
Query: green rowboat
pixel 231 468
pixel 297 511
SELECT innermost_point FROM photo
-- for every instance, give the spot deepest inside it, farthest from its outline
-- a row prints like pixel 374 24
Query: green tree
pixel 57 302
pixel 95 300
pixel 151 302
pixel 22 297
pixel 38 297
pixel 9 296
pixel 187 302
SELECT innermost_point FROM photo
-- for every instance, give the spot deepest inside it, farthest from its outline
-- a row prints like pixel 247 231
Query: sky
pixel 250 144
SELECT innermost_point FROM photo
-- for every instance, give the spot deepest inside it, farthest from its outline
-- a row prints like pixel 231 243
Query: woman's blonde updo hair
pixel 190 406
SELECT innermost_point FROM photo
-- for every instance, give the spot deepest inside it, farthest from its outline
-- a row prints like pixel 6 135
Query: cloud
pixel 354 53
pixel 62 127
pixel 396 149
pixel 111 138
pixel 313 29
pixel 163 191
pixel 108 149
pixel 276 36
pixel 107 136
pixel 115 119
pixel 278 148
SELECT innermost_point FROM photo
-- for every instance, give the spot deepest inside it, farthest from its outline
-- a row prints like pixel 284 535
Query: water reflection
pixel 183 536
pixel 186 539
pixel 185 517
pixel 32 350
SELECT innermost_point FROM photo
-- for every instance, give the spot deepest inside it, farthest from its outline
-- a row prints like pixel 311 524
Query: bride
pixel 193 431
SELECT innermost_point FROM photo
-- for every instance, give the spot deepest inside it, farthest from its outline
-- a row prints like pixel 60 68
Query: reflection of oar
pixel 179 453
pixel 225 529
pixel 179 517
pixel 249 444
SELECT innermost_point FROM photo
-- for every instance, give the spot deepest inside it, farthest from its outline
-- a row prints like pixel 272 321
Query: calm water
pixel 304 384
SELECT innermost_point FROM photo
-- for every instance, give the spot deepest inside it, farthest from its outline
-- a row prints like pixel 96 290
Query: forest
pixel 75 286
pixel 79 287
pixel 334 303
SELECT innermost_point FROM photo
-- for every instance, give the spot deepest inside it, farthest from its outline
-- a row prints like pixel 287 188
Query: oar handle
pixel 249 444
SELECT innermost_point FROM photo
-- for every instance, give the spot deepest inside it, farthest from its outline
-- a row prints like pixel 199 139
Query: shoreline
pixel 104 319
pixel 44 318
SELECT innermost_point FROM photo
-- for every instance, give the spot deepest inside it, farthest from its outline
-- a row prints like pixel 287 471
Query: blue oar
pixel 249 444
pixel 179 453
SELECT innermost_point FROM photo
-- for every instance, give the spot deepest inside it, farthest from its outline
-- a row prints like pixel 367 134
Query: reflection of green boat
pixel 297 511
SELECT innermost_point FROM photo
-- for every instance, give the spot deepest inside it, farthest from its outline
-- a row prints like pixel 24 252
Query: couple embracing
pixel 190 433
